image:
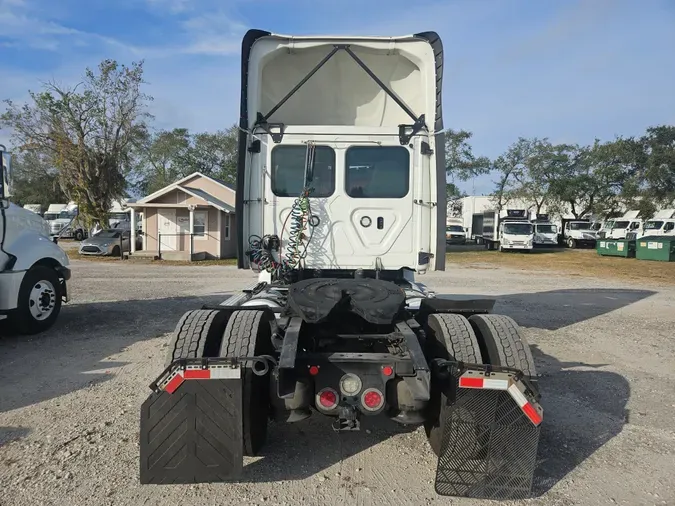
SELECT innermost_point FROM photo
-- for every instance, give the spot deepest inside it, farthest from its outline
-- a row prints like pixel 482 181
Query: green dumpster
pixel 656 248
pixel 615 248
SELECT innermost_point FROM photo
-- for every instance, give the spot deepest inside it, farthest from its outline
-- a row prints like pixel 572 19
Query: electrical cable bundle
pixel 260 249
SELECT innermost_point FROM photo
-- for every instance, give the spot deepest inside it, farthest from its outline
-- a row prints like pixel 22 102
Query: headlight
pixel 105 244
pixel 506 241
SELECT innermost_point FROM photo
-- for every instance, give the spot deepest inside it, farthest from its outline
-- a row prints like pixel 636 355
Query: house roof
pixel 204 195
pixel 178 184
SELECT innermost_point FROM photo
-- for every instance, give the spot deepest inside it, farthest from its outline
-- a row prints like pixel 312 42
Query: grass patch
pixel 581 262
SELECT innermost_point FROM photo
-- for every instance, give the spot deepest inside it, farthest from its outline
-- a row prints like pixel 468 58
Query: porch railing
pixel 182 234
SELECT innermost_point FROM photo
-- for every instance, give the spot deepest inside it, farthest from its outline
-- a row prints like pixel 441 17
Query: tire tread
pixel 511 346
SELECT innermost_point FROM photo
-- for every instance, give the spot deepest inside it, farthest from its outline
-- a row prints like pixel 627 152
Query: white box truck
pixel 545 232
pixel 508 229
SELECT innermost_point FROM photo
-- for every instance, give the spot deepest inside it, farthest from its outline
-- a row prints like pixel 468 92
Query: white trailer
pixel 33 269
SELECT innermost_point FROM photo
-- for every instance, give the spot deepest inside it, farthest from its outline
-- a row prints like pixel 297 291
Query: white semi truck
pixel 508 229
pixel 577 233
pixel 340 204
pixel 619 228
pixel 68 224
pixel 33 269
pixel 663 223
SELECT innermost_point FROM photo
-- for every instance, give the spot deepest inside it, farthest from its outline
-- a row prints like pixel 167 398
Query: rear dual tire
pixel 480 339
pixel 207 333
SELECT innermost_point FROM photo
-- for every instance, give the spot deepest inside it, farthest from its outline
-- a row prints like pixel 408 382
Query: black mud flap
pixel 193 435
pixel 489 447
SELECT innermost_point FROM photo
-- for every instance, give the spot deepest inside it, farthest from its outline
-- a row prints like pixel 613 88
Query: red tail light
pixel 327 399
pixel 372 399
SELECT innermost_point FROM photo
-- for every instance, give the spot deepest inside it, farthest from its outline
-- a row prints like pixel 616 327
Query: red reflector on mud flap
pixel 470 382
pixel 201 374
pixel 176 378
pixel 174 383
pixel 504 381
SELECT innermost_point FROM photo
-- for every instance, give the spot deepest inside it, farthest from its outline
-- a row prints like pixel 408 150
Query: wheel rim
pixel 42 300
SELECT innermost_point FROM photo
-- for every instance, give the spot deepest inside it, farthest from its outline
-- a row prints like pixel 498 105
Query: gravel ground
pixel 70 398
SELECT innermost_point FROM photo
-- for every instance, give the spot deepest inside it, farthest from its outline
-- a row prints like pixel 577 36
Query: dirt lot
pixel 69 400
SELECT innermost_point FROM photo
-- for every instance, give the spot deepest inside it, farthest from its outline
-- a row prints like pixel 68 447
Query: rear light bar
pixel 505 381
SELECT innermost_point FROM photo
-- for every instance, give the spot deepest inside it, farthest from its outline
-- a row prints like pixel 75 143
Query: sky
pixel 566 70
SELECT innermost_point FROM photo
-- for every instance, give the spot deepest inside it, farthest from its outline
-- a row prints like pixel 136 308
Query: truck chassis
pixel 346 346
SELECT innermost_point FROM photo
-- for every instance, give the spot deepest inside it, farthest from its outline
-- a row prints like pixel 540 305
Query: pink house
pixel 191 219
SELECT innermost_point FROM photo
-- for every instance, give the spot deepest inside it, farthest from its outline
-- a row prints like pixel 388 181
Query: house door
pixel 167 229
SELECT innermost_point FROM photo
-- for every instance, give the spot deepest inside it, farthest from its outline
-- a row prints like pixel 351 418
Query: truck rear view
pixel 340 204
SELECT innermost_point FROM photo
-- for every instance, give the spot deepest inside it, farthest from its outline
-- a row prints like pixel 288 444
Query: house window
pixel 227 227
pixel 201 224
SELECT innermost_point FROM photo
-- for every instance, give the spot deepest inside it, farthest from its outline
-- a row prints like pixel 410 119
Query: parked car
pixel 107 242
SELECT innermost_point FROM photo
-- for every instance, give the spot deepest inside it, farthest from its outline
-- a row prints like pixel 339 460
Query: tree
pixel 658 146
pixel 512 170
pixel 454 199
pixel 460 161
pixel 590 179
pixel 35 180
pixel 215 154
pixel 89 132
pixel 162 159
pixel 168 156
